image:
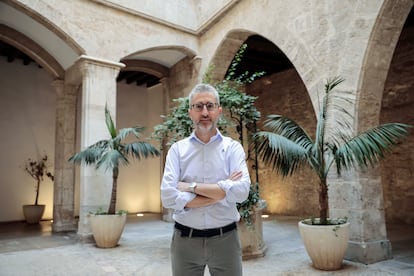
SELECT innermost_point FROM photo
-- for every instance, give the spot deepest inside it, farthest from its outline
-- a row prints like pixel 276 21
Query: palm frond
pixel 332 83
pixel 283 154
pixel 369 147
pixel 110 123
pixel 289 129
pixel 111 159
pixel 136 131
pixel 141 150
pixel 338 115
pixel 91 154
pixel 335 112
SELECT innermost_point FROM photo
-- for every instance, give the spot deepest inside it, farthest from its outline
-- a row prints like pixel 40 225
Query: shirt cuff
pixel 225 185
pixel 183 199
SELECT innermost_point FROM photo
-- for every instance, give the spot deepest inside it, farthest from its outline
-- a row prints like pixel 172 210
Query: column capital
pixel 84 59
pixel 76 72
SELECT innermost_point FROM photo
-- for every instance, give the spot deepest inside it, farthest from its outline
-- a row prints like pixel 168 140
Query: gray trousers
pixel 222 254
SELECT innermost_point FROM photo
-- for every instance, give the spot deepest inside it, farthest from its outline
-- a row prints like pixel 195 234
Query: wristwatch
pixel 192 187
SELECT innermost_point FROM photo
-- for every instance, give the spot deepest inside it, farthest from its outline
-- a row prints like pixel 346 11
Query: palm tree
pixel 113 152
pixel 287 147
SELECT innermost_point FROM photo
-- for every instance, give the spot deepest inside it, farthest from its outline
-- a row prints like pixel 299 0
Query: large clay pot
pixel 33 213
pixel 107 229
pixel 326 244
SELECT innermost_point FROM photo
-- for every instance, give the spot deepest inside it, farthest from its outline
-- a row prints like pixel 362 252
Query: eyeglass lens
pixel 199 106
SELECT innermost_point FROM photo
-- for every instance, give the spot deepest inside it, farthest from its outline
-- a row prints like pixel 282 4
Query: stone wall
pixel 397 106
pixel 284 93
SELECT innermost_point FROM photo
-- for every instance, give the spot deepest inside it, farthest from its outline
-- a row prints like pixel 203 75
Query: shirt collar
pixel 218 136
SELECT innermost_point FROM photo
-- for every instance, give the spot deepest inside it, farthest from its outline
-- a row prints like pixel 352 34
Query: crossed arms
pixel 206 194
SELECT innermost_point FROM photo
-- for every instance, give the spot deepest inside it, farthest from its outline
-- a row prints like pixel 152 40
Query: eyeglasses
pixel 200 106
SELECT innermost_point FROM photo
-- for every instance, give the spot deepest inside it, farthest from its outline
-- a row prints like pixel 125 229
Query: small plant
pixel 38 169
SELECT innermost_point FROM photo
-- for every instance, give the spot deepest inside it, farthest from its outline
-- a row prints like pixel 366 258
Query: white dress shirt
pixel 191 160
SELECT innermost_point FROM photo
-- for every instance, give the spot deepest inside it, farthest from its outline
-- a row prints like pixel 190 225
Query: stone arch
pixel 381 45
pixel 32 49
pixel 226 51
pixel 367 208
pixel 146 66
pixel 23 37
pixel 157 61
pixel 30 33
pixel 186 51
pixel 390 55
pixel 305 66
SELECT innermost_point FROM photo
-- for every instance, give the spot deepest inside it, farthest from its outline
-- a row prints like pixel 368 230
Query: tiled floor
pixel 144 250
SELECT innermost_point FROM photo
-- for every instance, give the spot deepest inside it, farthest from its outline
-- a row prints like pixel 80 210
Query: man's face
pixel 204 112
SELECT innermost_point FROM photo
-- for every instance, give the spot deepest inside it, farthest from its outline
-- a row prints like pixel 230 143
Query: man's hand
pixel 235 176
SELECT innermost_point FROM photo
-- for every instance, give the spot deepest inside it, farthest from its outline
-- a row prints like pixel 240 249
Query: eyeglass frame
pixel 200 109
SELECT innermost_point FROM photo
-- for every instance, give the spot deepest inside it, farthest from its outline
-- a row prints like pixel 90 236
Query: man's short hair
pixel 204 88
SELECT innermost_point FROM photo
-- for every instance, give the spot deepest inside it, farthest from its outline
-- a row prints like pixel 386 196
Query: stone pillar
pixel 64 182
pixel 166 213
pixel 98 90
pixel 359 196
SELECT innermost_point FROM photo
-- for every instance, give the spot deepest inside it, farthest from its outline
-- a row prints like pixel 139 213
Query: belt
pixel 206 233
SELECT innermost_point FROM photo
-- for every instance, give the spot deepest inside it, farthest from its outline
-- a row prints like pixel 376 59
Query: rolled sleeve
pixel 236 191
pixel 182 199
pixel 225 185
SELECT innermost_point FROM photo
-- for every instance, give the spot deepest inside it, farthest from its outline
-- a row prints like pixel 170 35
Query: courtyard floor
pixel 144 250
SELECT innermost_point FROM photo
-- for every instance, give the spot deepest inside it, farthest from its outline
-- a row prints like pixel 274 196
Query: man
pixel 205 176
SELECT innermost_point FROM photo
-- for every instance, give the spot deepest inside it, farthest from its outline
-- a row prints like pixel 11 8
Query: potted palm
pixel 110 154
pixel 37 169
pixel 287 147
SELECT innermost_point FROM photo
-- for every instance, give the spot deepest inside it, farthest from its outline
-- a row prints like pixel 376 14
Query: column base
pixel 369 252
pixel 65 226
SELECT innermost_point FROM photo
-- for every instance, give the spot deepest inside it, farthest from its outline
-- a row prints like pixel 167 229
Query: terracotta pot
pixel 325 244
pixel 33 213
pixel 107 229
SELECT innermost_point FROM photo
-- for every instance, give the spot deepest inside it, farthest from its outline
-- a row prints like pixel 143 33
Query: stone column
pixel 98 90
pixel 64 182
pixel 166 212
pixel 359 196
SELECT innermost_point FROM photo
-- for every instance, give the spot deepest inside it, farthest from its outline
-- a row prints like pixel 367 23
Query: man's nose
pixel 204 111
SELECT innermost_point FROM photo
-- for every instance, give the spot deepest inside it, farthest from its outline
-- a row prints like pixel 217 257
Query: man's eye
pixel 199 106
pixel 209 106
